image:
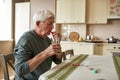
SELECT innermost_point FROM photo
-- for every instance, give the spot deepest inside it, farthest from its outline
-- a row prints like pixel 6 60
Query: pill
pixel 95 71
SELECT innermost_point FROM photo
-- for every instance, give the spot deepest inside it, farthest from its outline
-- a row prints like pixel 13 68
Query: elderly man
pixel 34 51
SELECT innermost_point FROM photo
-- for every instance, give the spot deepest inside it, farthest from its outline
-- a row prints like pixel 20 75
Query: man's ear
pixel 37 23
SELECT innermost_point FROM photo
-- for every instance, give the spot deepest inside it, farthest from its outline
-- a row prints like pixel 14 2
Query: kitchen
pixel 102 29
pixel 86 21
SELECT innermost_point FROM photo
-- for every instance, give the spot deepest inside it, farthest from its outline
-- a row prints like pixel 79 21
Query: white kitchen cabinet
pixel 63 14
pixel 66 46
pixel 98 49
pixel 78 48
pixel 97 11
pixel 59 11
pixel 70 11
pixel 91 48
pixel 109 48
pixel 78 11
pixel 83 48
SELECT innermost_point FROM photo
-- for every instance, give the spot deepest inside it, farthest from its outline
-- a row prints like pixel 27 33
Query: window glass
pixel 5 19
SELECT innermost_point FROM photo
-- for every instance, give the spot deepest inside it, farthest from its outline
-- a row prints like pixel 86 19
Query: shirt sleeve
pixel 56 60
pixel 22 54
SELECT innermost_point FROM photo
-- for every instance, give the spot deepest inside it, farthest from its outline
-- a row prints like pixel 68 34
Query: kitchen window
pixel 5 19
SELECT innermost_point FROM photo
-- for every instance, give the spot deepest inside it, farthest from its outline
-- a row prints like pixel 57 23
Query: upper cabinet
pixel 70 11
pixel 82 11
pixel 97 11
pixel 63 11
pixel 79 11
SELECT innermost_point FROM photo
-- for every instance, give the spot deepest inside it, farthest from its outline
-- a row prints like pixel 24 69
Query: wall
pixel 6 46
pixel 99 31
pixel 66 29
pixel 41 4
pixel 105 31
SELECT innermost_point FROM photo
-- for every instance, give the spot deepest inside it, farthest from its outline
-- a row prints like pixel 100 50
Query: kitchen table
pixel 83 67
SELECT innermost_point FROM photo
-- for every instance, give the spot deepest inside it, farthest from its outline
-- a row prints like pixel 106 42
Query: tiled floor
pixel 11 72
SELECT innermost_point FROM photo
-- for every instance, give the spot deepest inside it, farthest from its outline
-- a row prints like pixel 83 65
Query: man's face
pixel 47 26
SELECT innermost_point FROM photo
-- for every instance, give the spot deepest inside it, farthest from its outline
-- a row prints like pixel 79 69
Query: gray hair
pixel 42 15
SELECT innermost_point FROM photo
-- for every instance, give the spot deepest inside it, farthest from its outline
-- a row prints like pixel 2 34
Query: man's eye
pixel 50 23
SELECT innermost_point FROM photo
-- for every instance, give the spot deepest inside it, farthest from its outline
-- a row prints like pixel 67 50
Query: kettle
pixel 89 37
pixel 112 40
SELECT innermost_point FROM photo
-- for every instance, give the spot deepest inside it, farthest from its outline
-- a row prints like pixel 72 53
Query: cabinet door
pixel 82 49
pixel 70 11
pixel 63 11
pixel 78 11
pixel 87 49
pixel 98 49
pixel 97 11
pixel 59 11
pixel 76 48
pixel 66 46
pixel 107 50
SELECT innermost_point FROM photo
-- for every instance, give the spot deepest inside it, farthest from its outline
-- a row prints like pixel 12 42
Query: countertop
pixel 86 70
pixel 92 43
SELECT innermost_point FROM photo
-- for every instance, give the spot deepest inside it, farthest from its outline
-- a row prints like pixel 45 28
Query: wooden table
pixel 90 67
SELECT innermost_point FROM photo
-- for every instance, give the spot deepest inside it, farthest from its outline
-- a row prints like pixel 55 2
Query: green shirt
pixel 28 46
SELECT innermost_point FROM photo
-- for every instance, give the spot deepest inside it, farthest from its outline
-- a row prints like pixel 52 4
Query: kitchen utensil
pixel 118 41
pixel 112 40
pixel 89 37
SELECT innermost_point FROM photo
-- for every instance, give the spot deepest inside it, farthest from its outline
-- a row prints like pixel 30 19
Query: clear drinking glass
pixel 57 40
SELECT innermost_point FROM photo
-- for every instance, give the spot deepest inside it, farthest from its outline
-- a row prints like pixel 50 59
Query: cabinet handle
pixel 114 47
pixel 98 45
pixel 118 47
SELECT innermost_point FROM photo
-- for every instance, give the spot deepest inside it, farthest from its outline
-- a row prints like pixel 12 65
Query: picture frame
pixel 114 9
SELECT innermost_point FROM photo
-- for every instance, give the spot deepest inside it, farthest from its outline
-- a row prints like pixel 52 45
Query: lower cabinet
pixel 79 48
pixel 98 49
pixel 66 46
pixel 91 48
pixel 83 49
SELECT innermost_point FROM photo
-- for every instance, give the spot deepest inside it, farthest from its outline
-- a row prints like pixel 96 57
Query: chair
pixel 6 59
pixel 67 52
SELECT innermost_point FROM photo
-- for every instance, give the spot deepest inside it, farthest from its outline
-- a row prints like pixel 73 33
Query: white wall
pixel 66 29
pixel 106 30
pixel 41 4
pixel 100 31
